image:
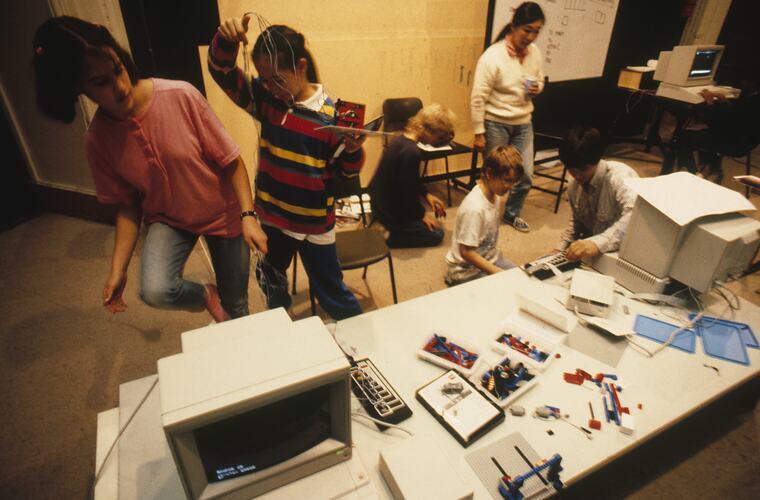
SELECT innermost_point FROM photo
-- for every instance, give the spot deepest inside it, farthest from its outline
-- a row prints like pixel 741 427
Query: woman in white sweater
pixel 507 77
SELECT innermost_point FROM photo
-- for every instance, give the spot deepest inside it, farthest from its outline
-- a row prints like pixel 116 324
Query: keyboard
pixel 376 394
pixel 540 268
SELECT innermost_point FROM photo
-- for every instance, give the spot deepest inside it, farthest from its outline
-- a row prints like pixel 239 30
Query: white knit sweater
pixel 498 93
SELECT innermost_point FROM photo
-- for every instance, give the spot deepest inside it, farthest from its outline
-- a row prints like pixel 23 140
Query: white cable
pixel 380 422
pixel 118 436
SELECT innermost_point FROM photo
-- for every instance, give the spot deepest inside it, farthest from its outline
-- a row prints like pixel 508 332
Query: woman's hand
pixel 254 236
pixel 480 142
pixel 234 29
pixel 533 89
pixel 113 290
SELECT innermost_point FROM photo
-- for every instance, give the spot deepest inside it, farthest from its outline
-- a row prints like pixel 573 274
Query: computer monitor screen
pixel 703 64
pixel 255 440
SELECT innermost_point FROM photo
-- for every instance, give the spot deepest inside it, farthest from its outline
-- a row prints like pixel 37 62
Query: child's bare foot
pixel 214 304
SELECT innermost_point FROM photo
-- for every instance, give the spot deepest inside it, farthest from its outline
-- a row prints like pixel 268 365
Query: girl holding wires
pixel 297 162
pixel 156 150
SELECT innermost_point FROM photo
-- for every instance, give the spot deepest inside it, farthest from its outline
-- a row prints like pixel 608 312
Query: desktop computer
pixel 672 240
pixel 253 412
pixel 687 70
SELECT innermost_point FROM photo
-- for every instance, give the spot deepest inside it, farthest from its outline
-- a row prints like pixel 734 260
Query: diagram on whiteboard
pixel 575 38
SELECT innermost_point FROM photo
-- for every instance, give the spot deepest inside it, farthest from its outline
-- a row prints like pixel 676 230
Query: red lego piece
pixel 595 424
pixel 573 378
pixel 584 374
pixel 558 355
pixel 625 410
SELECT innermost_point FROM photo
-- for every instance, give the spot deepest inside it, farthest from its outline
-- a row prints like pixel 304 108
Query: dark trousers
pixel 321 265
pixel 413 234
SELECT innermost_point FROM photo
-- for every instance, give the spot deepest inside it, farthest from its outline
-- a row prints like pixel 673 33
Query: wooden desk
pixel 670 386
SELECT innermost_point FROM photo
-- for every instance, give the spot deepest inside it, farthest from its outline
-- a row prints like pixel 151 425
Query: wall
pixel 54 152
pixel 369 51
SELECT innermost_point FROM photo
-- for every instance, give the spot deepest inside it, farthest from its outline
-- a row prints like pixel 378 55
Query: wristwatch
pixel 248 213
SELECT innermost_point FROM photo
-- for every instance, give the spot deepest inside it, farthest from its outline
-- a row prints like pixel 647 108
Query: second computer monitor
pixel 689 65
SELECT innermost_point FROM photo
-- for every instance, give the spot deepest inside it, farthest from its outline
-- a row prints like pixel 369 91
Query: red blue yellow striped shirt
pixel 296 165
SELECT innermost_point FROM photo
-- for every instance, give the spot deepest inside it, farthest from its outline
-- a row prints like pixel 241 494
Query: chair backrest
pixel 398 111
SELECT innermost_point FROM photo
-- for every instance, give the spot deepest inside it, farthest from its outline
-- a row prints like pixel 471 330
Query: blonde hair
pixel 434 118
pixel 504 161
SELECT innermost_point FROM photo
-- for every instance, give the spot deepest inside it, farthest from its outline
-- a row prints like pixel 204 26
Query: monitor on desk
pixel 689 65
pixel 671 238
pixel 246 416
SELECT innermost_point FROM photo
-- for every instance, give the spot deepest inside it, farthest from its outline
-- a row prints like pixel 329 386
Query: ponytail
pixel 288 46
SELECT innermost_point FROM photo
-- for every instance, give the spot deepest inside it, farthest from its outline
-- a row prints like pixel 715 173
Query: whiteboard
pixel 575 38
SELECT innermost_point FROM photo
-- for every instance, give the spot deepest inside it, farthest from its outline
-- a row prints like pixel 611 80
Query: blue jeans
pixel 414 234
pixel 164 255
pixel 321 265
pixel 520 136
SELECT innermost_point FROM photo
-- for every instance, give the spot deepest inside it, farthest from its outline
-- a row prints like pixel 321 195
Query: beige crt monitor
pixel 689 65
pixel 246 416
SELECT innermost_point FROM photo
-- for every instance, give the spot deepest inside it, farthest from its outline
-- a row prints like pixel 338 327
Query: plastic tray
pixel 445 363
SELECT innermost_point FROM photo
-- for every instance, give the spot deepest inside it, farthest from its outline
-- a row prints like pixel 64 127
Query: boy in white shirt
pixel 474 251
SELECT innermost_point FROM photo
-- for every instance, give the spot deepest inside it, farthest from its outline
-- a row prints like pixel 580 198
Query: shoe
pixel 214 304
pixel 517 223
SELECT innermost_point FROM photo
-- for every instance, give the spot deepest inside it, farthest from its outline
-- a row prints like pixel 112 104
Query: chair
pixel 543 142
pixel 356 248
pixel 397 113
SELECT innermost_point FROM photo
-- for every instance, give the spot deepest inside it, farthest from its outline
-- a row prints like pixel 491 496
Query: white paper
pixel 684 197
pixel 428 147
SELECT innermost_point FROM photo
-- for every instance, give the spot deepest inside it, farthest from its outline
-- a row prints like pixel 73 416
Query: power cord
pixel 99 471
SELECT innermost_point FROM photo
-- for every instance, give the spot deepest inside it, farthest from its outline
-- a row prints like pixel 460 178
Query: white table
pixel 670 386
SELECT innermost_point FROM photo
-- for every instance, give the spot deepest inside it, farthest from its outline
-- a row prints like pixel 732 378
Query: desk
pixel 449 177
pixel 671 386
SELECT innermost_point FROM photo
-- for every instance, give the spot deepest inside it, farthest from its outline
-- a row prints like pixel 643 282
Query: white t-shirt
pixel 477 225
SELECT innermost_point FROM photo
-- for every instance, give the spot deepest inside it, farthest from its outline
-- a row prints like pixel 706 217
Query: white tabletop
pixel 670 386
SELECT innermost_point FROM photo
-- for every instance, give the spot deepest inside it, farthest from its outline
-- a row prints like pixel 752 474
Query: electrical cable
pixel 100 469
pixel 380 422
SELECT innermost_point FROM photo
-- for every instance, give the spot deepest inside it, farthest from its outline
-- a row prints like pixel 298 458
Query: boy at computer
pixel 474 251
pixel 601 202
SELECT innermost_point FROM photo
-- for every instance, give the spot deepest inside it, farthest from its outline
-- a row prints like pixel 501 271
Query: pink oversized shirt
pixel 170 161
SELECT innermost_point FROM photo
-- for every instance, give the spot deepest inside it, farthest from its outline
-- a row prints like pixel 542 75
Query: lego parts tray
pixel 515 339
pixel 505 380
pixel 447 352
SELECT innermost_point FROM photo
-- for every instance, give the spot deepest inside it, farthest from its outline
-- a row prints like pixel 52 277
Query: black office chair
pixel 397 113
pixel 356 248
pixel 542 142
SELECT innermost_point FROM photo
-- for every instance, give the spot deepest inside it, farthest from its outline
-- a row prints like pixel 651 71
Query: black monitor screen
pixel 265 436
pixel 702 66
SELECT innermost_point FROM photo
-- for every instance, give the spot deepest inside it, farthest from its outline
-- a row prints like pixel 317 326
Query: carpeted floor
pixel 63 356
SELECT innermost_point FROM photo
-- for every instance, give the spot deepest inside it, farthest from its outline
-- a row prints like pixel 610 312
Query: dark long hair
pixel 60 46
pixel 288 45
pixel 525 13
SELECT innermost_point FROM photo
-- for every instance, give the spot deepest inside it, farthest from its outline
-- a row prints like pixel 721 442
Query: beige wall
pixel 367 51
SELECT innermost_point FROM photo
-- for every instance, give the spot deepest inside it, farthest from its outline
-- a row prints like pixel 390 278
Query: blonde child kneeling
pixel 474 251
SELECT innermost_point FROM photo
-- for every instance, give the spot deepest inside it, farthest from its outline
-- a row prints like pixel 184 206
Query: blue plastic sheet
pixel 725 339
pixel 660 331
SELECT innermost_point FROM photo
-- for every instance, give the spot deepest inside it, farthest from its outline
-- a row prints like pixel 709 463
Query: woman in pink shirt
pixel 156 150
